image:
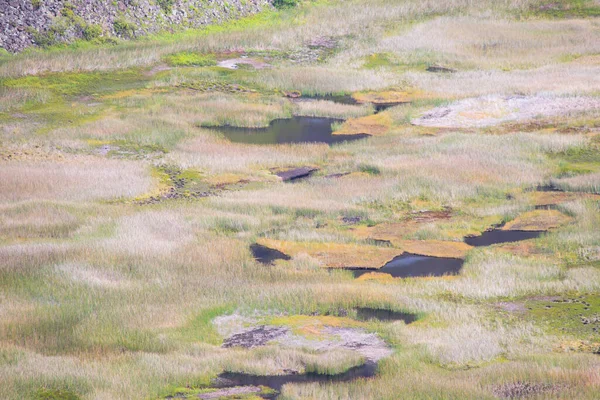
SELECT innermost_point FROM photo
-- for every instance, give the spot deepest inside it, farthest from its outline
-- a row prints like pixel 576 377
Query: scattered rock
pixel 519 390
pixel 24 25
pixel 439 68
pixel 290 174
pixel 351 220
pixel 255 337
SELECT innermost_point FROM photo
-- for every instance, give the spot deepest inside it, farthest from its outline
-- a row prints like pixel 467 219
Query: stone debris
pixel 440 69
pixel 255 337
pixel 21 19
pixel 291 174
pixel 519 390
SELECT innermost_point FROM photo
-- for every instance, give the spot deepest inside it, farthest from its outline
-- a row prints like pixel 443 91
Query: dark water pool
pixel 349 100
pixel 230 379
pixel 414 265
pixel 266 255
pixel 496 236
pixel 289 130
pixel 381 314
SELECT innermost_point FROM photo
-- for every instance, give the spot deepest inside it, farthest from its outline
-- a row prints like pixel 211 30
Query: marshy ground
pixel 215 213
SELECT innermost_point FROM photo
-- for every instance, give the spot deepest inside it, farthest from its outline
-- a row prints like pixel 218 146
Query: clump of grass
pixel 369 169
pixel 285 3
pixel 189 59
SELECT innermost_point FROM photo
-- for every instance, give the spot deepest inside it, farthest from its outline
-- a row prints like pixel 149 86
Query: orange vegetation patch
pixel 312 325
pixel 336 255
pixel 583 346
pixel 387 97
pixel 523 249
pixel 436 248
pixel 538 220
pixel 378 277
pixel 375 125
pixel 226 179
pixel 553 198
pixel 394 233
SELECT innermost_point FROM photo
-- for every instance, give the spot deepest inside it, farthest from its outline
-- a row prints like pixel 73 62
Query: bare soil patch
pixel 493 110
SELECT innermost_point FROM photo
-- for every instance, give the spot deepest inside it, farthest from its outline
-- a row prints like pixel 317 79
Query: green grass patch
pixel 200 328
pixel 80 84
pixel 379 60
pixel 189 59
pixel 576 315
pixel 567 9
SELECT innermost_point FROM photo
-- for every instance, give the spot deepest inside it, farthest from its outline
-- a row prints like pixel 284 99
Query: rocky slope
pixel 45 22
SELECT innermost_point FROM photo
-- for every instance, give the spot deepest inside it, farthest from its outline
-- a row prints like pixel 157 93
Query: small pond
pixel 349 100
pixel 266 255
pixel 289 130
pixel 414 265
pixel 230 379
pixel 496 236
pixel 381 314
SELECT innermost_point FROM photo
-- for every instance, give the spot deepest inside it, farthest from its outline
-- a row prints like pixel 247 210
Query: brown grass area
pixel 390 96
pixel 336 255
pixel 82 178
pixel 375 125
pixel 555 198
pixel 538 220
pixel 436 248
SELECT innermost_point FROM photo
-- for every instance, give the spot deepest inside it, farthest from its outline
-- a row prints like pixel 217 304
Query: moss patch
pixel 577 316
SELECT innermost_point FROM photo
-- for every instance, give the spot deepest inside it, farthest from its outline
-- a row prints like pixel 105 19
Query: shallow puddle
pixel 414 265
pixel 266 255
pixel 230 379
pixel 380 314
pixel 290 130
pixel 496 236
